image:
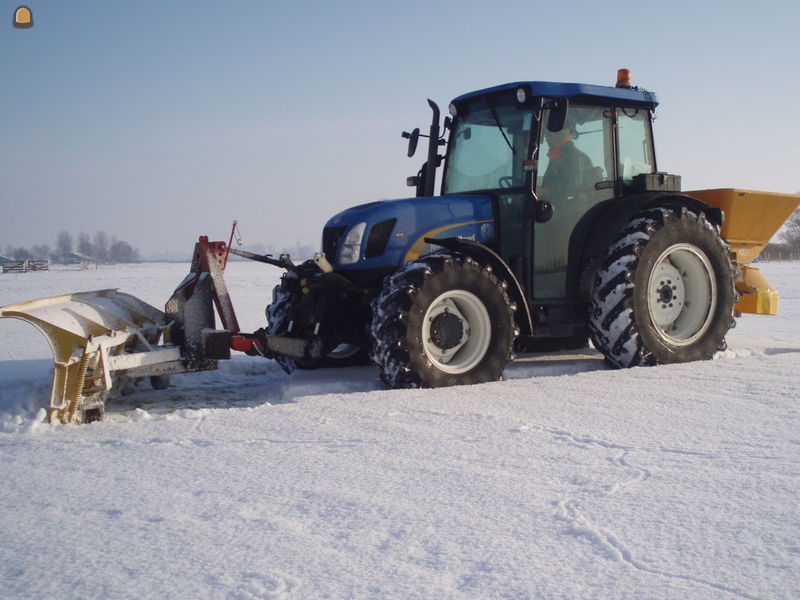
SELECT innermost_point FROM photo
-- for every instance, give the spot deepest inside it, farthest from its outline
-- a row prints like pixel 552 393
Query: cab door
pixel 570 162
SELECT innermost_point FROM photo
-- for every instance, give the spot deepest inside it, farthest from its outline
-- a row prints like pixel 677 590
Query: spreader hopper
pixel 751 219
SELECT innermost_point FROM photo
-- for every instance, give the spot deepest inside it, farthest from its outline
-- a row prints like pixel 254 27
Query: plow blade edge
pixel 101 341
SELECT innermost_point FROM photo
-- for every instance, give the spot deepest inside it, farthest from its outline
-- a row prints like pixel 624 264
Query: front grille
pixel 378 236
pixel 330 241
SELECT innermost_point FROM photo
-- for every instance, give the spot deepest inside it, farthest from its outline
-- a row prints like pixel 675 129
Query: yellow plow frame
pixel 100 340
pixel 103 341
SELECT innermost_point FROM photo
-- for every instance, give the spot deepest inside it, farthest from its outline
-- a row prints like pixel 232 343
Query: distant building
pixel 83 260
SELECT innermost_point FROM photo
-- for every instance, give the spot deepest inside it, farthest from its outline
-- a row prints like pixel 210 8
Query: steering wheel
pixel 506 182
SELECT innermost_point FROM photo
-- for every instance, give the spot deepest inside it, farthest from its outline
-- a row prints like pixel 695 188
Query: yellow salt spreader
pixel 751 219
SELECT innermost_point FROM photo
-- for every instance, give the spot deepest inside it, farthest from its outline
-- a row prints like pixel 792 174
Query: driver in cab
pixel 568 169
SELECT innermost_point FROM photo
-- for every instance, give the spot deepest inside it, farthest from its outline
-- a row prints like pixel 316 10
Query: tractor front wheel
pixel 441 321
pixel 279 320
pixel 279 317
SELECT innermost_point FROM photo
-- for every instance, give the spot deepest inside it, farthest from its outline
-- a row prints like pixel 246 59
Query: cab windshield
pixel 489 142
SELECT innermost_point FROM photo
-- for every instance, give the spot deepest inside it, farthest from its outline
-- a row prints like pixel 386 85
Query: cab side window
pixel 635 143
pixel 573 160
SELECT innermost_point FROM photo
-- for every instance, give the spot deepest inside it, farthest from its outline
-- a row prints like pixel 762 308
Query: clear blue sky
pixel 161 121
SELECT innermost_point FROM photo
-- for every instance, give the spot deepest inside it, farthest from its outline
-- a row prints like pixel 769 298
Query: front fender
pixel 486 256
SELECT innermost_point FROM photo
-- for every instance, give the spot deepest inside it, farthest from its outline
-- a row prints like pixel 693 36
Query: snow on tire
pixel 442 320
pixel 665 292
pixel 278 320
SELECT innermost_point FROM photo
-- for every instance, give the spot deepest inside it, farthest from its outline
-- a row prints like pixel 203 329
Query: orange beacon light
pixel 23 17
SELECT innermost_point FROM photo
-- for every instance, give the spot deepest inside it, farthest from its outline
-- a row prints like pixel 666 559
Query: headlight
pixel 350 251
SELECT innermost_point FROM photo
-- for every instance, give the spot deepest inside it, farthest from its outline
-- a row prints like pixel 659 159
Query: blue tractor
pixel 553 227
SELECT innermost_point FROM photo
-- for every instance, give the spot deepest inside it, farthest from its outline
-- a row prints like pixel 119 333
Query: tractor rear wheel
pixel 665 293
pixel 442 320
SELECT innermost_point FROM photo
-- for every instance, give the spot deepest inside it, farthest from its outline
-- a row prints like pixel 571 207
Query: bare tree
pixel 41 251
pixel 123 252
pixel 791 229
pixel 101 246
pixel 63 245
pixel 85 244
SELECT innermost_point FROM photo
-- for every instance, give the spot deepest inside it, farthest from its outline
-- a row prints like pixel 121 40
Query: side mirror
pixel 418 181
pixel 413 140
pixel 558 114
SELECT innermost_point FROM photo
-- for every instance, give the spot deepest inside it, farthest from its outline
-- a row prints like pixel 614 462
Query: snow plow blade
pixel 101 342
pixel 751 219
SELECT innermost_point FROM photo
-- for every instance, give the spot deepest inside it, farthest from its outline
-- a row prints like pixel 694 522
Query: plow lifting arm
pixel 284 261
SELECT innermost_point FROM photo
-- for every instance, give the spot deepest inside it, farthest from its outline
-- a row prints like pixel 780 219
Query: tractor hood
pixel 388 233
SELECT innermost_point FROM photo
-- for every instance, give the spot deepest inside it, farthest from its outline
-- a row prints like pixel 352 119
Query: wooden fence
pixel 23 266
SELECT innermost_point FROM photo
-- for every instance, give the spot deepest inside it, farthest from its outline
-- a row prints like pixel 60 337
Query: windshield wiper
pixel 499 126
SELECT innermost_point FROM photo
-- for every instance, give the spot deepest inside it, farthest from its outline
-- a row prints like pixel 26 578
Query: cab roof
pixel 573 91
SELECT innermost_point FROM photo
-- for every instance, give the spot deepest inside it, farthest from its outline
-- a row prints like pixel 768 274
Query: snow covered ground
pixel 566 480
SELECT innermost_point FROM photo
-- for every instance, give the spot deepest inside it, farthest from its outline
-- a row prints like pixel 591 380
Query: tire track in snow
pixel 604 539
pixel 619 460
pixel 264 586
pixel 616 549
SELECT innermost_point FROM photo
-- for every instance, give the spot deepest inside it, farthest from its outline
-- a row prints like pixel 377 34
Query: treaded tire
pixel 278 322
pixel 408 359
pixel 278 318
pixel 639 315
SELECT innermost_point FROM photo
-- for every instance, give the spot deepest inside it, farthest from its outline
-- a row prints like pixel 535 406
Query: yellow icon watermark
pixel 23 18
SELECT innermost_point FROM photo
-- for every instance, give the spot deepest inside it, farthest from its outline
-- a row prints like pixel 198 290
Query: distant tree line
pixel 298 252
pixel 779 252
pixel 789 247
pixel 101 248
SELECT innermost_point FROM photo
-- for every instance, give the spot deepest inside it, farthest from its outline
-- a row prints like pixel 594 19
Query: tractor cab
pixel 549 155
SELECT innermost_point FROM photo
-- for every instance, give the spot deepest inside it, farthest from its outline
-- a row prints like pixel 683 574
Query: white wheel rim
pixel 469 349
pixel 682 294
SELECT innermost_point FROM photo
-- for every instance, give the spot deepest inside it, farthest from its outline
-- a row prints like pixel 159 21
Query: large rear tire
pixel 665 293
pixel 442 321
